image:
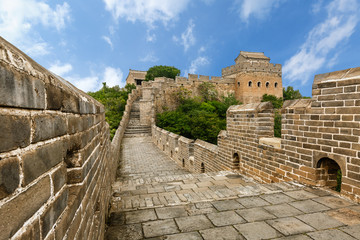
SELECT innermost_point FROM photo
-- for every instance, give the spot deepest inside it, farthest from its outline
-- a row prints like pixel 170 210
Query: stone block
pixel 9 176
pixel 227 205
pixel 159 228
pixel 18 90
pixel 257 230
pixel 70 103
pixel 59 178
pixel 320 221
pixel 282 210
pixel 352 230
pixel 31 231
pixel 251 202
pixel 309 206
pixel 47 126
pixel 221 233
pixel 40 160
pixel 277 198
pixel 193 223
pixel 225 218
pixel 290 226
pixel 133 232
pixel 51 215
pixel 140 216
pixel 54 97
pixel 15 132
pixel 171 212
pixel 330 234
pixel 255 214
pixel 15 212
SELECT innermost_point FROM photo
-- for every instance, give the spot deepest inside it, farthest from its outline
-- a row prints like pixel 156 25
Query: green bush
pixel 161 71
pixel 197 118
pixel 289 94
pixel 114 100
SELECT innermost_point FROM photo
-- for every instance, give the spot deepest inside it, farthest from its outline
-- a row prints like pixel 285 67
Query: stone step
pixel 138 127
pixel 134 135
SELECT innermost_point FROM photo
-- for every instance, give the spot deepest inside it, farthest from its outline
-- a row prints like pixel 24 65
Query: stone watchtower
pixel 254 76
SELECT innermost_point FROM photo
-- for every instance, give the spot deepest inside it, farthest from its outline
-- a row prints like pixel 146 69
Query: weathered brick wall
pixel 246 124
pixel 205 157
pixel 327 127
pixel 56 159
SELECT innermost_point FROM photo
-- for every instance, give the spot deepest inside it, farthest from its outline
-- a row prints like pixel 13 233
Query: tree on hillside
pixel 162 71
pixel 114 100
pixel 290 94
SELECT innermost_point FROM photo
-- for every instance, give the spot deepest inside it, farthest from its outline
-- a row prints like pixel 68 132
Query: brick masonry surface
pixel 319 137
pixel 57 162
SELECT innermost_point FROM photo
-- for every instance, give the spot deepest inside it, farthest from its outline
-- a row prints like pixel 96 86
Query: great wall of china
pixel 57 162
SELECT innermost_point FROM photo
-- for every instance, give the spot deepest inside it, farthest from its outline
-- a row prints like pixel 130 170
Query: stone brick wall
pixel 205 157
pixel 319 137
pixel 239 148
pixel 56 159
pixel 251 67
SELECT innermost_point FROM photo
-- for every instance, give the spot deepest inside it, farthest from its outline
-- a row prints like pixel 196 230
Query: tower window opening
pixel 276 84
pixel 267 84
pixel 250 83
pixel 259 84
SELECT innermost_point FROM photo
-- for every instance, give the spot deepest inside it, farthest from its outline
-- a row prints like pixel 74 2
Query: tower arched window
pixel 267 84
pixel 259 84
pixel 276 84
pixel 250 83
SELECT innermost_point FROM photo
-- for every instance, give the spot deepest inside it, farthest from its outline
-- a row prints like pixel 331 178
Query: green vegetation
pixel 114 100
pixel 198 118
pixel 289 94
pixel 162 71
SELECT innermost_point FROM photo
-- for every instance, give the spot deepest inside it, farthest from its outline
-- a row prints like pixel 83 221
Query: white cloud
pixel 146 11
pixel 196 64
pixel 108 40
pixel 150 37
pixel 323 40
pixel 86 84
pixel 113 76
pixel 18 18
pixel 60 69
pixel 38 49
pixel 187 37
pixel 150 57
pixel 258 8
pixel 316 7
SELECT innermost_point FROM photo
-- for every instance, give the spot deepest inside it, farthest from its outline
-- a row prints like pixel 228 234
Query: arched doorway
pixel 202 168
pixel 236 162
pixel 330 173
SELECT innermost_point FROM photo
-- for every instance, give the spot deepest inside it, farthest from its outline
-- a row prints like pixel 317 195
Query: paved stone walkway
pixel 156 199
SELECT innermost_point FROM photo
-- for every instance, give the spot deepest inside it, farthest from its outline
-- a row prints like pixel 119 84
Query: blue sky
pixel 89 42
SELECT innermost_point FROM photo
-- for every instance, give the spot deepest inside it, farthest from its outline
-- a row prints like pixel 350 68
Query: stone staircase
pixel 135 128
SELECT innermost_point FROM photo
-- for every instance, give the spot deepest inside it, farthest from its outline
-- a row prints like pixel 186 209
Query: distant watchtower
pixel 254 76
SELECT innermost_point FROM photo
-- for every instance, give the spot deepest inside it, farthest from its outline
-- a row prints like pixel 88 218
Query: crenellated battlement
pixel 252 66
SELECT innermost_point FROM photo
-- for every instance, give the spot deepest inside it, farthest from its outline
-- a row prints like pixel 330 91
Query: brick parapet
pixel 56 158
pixel 252 66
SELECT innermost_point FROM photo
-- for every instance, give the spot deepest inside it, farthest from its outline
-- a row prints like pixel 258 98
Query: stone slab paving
pixel 154 198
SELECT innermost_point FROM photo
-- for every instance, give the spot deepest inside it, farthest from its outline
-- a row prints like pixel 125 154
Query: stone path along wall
pixel 56 159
